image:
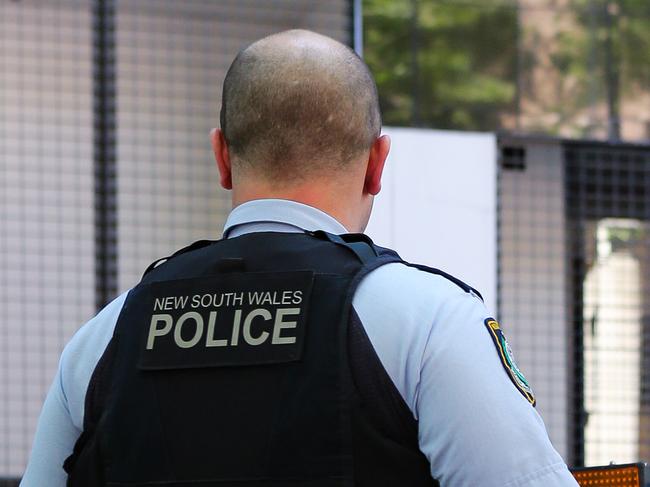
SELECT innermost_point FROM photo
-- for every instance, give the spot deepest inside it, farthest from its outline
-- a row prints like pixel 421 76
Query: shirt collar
pixel 276 215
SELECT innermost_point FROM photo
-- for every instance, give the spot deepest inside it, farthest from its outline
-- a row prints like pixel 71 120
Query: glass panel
pixel 575 68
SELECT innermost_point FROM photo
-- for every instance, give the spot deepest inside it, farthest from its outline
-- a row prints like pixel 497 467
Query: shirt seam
pixel 416 396
pixel 536 475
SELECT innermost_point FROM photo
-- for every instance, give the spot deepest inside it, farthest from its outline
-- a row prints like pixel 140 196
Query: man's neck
pixel 326 200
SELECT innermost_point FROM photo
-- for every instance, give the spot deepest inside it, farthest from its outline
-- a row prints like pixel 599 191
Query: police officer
pixel 292 351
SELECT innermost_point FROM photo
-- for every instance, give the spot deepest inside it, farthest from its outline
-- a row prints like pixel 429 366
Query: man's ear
pixel 222 156
pixel 376 161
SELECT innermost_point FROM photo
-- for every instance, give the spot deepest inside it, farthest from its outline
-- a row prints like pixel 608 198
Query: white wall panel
pixel 438 204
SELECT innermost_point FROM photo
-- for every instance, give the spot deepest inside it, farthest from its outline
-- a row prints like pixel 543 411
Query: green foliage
pixel 629 28
pixel 457 72
pixel 605 55
pixel 467 64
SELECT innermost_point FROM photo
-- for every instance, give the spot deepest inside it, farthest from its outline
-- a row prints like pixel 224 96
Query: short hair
pixel 296 103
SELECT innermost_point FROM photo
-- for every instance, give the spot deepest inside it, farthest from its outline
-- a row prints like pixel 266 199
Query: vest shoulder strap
pixel 193 246
pixel 358 243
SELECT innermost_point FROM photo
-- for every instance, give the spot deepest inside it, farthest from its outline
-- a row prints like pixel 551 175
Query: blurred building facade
pixel 569 68
pixel 583 69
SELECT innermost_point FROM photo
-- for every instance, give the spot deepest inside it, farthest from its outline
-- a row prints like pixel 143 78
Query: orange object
pixel 627 475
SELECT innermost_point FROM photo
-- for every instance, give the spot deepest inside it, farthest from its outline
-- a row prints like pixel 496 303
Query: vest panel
pixel 241 362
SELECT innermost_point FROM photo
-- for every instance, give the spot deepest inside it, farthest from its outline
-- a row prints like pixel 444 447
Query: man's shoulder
pixel 389 255
pixel 407 282
pixel 412 302
pixel 405 310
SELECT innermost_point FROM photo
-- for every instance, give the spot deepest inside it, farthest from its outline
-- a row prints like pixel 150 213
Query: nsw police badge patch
pixel 508 360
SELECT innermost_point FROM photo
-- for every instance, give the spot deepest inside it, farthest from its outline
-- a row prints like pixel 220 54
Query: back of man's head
pixel 296 104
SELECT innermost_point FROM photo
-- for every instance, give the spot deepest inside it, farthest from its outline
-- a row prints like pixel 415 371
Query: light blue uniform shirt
pixel 475 427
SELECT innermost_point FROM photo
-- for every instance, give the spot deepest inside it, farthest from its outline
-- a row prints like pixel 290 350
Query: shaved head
pixel 298 103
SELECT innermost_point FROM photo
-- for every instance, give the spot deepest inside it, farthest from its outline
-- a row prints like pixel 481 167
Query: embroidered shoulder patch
pixel 508 360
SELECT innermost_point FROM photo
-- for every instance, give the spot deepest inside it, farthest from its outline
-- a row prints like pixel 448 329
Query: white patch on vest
pixel 235 319
pixel 191 326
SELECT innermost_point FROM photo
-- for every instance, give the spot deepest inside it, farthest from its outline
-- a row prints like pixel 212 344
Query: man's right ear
pixel 222 156
pixel 375 167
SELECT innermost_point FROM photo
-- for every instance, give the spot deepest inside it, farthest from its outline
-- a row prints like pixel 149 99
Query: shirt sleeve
pixel 55 437
pixel 475 427
pixel 61 418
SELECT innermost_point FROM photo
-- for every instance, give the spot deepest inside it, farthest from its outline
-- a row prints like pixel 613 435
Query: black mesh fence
pixel 608 218
pixel 105 163
pixel 574 285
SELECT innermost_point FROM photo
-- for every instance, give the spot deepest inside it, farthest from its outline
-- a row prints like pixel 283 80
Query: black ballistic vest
pixel 242 363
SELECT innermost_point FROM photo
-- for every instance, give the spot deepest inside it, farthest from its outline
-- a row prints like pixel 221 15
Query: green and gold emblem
pixel 508 360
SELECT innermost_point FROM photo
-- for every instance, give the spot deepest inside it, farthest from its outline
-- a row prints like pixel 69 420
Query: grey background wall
pixel 532 278
pixel 46 204
pixel 171 58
